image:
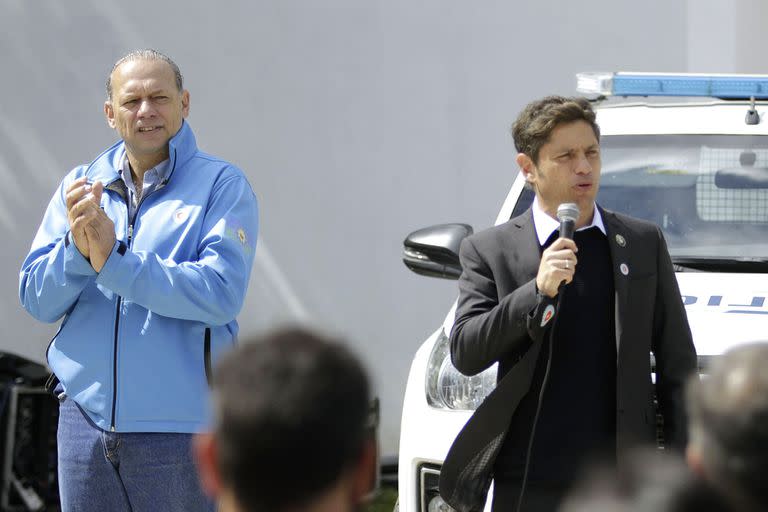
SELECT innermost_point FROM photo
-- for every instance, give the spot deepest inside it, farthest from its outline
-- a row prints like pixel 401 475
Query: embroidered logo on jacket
pixel 180 215
pixel 549 312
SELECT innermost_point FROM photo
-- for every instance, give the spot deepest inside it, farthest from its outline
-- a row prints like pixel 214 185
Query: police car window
pixel 709 193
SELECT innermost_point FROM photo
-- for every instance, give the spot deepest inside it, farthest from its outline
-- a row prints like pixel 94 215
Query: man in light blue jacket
pixel 144 255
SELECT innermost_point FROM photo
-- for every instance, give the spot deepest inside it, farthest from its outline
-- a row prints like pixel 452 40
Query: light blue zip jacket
pixel 137 339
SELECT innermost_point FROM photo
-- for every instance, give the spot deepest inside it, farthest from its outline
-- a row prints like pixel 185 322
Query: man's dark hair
pixel 728 412
pixel 535 123
pixel 146 54
pixel 293 413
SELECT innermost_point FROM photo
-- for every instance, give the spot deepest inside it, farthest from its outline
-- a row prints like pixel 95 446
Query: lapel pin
pixel 621 241
pixel 624 269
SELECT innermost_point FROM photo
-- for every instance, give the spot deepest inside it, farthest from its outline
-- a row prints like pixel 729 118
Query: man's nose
pixel 582 165
pixel 146 108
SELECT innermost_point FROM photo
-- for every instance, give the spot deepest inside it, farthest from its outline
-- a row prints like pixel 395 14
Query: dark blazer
pixel 498 298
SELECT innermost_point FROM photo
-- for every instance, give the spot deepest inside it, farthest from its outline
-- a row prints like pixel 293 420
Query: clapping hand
pixel 93 232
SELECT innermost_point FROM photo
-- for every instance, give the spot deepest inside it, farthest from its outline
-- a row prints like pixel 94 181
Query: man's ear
pixel 185 103
pixel 366 473
pixel 526 166
pixel 205 453
pixel 109 112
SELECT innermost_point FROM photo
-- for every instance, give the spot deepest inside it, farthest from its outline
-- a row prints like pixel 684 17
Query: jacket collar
pixel 181 148
pixel 526 245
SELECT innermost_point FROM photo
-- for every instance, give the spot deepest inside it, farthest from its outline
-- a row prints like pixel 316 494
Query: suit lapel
pixel 526 245
pixel 619 243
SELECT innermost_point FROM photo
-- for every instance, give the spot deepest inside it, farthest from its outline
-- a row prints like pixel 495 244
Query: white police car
pixel 697 167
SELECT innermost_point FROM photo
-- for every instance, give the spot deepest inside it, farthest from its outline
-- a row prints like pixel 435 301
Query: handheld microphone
pixel 567 214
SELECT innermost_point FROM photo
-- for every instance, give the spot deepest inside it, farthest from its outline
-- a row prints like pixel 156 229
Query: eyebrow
pixel 562 151
pixel 130 93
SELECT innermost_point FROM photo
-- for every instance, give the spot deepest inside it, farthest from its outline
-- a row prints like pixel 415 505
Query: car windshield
pixel 709 193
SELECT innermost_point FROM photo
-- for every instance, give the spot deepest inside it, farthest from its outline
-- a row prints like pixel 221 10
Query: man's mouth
pixel 149 128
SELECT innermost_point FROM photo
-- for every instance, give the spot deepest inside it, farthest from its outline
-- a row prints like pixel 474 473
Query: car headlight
pixel 447 388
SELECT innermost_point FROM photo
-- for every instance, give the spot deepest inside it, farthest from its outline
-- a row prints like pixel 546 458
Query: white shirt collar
pixel 546 225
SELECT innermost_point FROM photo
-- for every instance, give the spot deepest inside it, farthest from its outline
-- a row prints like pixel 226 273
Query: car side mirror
pixel 434 251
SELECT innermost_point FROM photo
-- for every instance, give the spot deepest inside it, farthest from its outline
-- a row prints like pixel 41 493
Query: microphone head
pixel 568 212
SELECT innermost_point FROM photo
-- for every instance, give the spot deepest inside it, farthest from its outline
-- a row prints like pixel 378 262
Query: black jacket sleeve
pixel 488 328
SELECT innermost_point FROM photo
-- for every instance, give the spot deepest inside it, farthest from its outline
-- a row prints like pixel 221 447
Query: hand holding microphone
pixel 558 262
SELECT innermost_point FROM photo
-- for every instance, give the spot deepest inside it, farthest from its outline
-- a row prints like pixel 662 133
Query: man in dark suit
pixel 620 302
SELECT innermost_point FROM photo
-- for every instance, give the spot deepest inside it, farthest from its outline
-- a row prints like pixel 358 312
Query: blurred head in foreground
pixel 647 481
pixel 728 440
pixel 293 428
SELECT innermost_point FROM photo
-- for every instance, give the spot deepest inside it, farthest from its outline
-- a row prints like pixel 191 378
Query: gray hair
pixel 146 54
pixel 728 412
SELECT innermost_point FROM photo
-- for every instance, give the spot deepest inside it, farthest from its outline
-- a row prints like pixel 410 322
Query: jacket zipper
pixel 117 331
pixel 131 222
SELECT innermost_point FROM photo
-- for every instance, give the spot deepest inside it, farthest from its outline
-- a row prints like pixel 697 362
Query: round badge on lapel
pixel 624 269
pixel 621 241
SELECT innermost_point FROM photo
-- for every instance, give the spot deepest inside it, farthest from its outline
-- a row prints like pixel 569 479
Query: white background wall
pixel 357 121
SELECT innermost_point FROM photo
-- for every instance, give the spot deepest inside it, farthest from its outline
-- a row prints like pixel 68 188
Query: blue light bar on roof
pixel 669 84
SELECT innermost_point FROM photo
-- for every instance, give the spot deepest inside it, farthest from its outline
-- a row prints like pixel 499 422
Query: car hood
pixel 725 309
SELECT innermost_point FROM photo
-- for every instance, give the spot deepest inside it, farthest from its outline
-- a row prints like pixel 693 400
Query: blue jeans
pixel 124 472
